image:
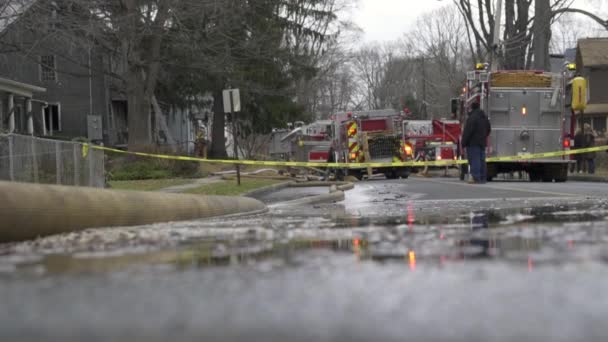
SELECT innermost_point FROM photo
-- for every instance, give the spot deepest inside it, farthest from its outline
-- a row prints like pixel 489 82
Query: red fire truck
pixel 371 136
pixel 432 140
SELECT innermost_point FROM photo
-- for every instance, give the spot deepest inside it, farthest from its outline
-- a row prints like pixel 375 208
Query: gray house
pixel 65 78
pixel 592 63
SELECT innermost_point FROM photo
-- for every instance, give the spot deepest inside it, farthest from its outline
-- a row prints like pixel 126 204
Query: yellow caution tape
pixel 523 157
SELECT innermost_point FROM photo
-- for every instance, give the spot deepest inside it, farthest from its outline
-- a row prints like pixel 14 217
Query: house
pixel 63 82
pixel 592 64
pixel 65 76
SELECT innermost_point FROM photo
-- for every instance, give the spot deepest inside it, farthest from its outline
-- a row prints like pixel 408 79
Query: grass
pixel 229 188
pixel 147 184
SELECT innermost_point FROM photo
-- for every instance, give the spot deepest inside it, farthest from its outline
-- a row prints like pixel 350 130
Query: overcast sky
pixel 384 20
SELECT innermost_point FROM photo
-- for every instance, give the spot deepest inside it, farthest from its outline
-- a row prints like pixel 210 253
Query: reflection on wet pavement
pixel 548 233
pixel 389 270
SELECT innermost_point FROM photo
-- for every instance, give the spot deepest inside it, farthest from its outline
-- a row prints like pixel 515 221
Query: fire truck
pixel 432 140
pixel 370 136
pixel 527 113
pixel 304 143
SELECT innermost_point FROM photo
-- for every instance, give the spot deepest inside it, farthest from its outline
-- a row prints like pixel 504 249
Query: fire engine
pixel 527 113
pixel 370 136
pixel 432 140
pixel 304 143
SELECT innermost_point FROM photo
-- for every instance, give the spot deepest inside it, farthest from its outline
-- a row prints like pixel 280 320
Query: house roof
pixel 593 51
pixel 597 108
pixel 18 88
pixel 11 10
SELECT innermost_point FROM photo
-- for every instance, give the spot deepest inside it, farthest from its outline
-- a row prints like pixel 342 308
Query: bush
pixel 135 168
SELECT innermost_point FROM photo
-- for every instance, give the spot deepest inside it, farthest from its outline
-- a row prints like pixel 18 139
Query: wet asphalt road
pixel 417 259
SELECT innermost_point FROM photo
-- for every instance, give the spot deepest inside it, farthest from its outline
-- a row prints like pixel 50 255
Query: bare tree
pixel 526 37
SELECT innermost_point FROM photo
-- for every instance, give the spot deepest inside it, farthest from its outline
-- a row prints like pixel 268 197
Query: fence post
pixel 34 160
pixel 91 170
pixel 11 162
pixel 76 164
pixel 58 162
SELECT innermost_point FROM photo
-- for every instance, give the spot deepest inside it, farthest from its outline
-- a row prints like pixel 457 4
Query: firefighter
pixel 474 138
pixel 331 158
pixel 589 141
pixel 200 144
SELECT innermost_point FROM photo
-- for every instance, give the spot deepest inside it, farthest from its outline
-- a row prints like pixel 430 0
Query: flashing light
pixel 566 143
pixel 524 110
pixel 439 158
pixel 480 66
pixel 408 150
pixel 353 156
pixel 571 66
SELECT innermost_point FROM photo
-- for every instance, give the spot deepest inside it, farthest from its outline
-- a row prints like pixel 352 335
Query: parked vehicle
pixel 527 113
pixel 372 136
pixel 432 140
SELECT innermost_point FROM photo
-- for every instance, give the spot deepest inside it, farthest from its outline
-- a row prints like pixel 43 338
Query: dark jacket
pixel 589 141
pixel 476 129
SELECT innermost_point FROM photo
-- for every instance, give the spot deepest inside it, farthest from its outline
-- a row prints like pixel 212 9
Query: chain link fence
pixel 37 160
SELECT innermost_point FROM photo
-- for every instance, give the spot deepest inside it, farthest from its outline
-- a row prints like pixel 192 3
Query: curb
pixel 595 179
pixel 266 190
pixel 331 197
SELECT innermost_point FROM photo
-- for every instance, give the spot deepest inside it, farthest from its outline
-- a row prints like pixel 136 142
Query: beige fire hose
pixel 28 211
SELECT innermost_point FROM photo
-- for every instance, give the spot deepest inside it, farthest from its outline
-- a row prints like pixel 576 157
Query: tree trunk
pixel 218 140
pixel 542 34
pixel 138 113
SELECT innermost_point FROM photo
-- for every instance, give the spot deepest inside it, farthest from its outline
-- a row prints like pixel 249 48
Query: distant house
pixel 59 84
pixel 592 63
pixel 66 77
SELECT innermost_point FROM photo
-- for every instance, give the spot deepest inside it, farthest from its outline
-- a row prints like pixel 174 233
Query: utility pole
pixel 232 105
pixel 496 38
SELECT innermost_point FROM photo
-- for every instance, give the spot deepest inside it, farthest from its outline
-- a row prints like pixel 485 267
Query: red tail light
pixel 566 143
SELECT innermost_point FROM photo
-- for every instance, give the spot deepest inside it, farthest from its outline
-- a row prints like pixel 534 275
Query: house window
pixel 47 68
pixel 52 118
pixel 599 124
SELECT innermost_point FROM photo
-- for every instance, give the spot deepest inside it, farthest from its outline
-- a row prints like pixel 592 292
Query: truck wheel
pixel 561 173
pixel 339 175
pixel 404 173
pixel 356 174
pixel 535 176
pixel 390 175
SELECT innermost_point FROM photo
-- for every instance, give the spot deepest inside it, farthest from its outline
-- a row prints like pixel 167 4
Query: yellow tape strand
pixel 526 157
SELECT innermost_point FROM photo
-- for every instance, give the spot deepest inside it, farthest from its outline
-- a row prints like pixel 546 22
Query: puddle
pixel 549 233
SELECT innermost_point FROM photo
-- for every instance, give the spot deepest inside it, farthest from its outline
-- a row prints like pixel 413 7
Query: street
pixel 421 259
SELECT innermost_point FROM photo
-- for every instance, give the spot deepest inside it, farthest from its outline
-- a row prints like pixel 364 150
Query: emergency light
pixel 524 110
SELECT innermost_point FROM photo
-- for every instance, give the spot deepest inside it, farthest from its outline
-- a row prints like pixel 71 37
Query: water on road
pixel 394 261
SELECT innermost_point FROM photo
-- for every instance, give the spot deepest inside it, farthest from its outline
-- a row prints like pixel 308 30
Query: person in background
pixel 578 144
pixel 474 139
pixel 331 158
pixel 589 141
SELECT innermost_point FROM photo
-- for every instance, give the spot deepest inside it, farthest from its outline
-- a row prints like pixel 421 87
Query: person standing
pixel 579 143
pixel 474 138
pixel 589 141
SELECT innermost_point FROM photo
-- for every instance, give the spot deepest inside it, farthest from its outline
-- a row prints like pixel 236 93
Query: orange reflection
pixel 412 258
pixel 357 248
pixel 530 264
pixel 411 217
